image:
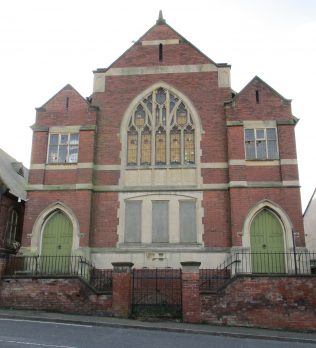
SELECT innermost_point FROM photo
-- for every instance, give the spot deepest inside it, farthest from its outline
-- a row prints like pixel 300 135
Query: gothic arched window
pixel 161 131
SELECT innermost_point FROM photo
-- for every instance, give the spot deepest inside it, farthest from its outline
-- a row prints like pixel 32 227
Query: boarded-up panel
pixel 187 221
pixel 133 222
pixel 160 222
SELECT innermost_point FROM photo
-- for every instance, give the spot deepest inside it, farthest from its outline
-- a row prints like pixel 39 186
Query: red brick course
pixel 270 302
pixel 58 295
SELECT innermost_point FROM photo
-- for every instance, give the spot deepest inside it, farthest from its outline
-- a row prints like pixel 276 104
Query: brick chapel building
pixel 163 163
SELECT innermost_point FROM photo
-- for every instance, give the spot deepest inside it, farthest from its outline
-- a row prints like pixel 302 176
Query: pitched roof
pixel 258 79
pixel 161 22
pixel 67 87
pixel 13 175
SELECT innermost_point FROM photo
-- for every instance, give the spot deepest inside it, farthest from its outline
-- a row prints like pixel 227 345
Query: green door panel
pixel 267 243
pixel 57 243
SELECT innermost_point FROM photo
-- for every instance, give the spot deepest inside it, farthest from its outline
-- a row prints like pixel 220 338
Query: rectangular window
pixel 63 148
pixel 261 144
pixel 160 221
pixel 133 222
pixel 187 215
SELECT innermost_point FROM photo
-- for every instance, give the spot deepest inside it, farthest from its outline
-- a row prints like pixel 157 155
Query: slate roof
pixel 13 175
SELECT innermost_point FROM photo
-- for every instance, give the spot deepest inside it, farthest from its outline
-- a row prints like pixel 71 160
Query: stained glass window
pixel 175 146
pixel 146 146
pixel 161 131
pixel 161 146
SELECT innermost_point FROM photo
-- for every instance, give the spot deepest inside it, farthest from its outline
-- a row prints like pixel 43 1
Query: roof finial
pixel 160 19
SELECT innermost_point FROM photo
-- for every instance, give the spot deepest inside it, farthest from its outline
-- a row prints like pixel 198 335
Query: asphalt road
pixel 28 333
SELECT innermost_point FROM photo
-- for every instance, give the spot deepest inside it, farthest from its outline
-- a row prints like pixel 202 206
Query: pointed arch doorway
pixel 267 243
pixel 57 242
pixel 57 235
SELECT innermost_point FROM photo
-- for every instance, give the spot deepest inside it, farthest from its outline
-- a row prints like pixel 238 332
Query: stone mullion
pixel 139 146
pixel 182 145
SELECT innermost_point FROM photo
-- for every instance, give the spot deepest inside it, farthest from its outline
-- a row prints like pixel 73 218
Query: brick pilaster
pixel 191 304
pixel 121 294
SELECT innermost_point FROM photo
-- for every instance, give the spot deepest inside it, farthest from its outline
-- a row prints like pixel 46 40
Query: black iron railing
pixel 291 263
pixel 59 266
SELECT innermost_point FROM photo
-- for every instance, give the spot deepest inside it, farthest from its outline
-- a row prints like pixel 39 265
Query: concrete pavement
pixel 172 326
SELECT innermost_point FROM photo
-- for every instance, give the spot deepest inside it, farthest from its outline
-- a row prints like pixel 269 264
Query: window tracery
pixel 161 131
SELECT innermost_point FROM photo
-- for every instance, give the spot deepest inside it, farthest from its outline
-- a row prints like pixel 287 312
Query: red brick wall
pixel 270 302
pixel 243 199
pixel 224 211
pixel 55 111
pixel 58 295
pixel 104 219
pixel 198 87
pixel 79 201
pixel 216 219
pixel 181 54
pixel 270 107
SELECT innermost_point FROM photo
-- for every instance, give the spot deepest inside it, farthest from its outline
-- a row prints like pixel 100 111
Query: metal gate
pixel 157 293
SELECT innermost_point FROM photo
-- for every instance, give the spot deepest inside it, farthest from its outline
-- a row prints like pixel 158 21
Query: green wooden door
pixel 57 244
pixel 267 244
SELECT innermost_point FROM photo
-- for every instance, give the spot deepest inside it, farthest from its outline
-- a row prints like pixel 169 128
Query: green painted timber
pixel 267 243
pixel 57 243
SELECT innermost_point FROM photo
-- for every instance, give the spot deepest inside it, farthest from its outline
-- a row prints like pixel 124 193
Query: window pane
pixel 132 148
pixel 53 139
pixel 272 149
pixel 261 149
pixel 74 139
pixel 161 147
pixel 250 150
pixel 187 222
pixel 175 147
pixel 64 139
pixel 160 96
pixel 271 133
pixel 160 222
pixel 181 115
pixel 132 222
pixel 73 154
pixel 249 134
pixel 140 116
pixel 260 133
pixel 53 154
pixel 146 147
pixel 62 154
pixel 189 147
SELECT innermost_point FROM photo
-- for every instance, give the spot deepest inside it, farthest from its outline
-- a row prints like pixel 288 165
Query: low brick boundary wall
pixel 277 302
pixel 68 295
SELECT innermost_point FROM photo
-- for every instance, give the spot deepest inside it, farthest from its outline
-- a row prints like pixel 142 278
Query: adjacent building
pixel 309 218
pixel 13 182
